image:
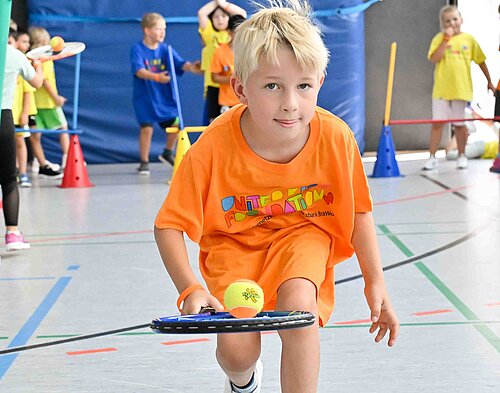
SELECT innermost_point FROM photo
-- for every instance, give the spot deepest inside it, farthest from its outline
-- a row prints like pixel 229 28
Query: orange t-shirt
pixel 223 63
pixel 241 208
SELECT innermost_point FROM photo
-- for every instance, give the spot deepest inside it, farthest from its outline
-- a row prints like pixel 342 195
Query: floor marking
pixel 32 323
pixel 485 331
pixel 90 236
pixel 422 313
pixel 355 322
pixel 448 189
pixel 431 194
pixel 194 340
pixel 73 267
pixel 27 278
pixel 492 304
pixel 91 351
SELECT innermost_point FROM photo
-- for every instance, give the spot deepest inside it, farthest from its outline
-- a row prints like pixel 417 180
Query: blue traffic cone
pixel 386 164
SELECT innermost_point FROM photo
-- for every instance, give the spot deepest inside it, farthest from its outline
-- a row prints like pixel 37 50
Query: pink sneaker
pixel 496 166
pixel 14 241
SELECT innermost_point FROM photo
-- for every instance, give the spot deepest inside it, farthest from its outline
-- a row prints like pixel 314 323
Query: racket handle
pixel 207 309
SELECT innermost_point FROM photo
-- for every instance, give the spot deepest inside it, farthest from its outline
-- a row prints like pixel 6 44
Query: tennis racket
pixel 223 322
pixel 45 52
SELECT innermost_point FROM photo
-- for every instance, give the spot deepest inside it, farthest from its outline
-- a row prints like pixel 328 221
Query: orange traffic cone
pixel 75 173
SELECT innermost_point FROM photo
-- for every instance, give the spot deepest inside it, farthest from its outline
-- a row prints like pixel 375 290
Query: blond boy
pixel 274 191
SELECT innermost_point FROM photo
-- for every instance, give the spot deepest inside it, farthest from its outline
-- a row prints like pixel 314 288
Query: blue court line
pixel 73 267
pixel 26 278
pixel 33 322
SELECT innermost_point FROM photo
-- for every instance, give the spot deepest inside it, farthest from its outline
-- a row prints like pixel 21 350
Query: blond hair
pixel 150 19
pixel 285 24
pixel 446 9
pixel 38 36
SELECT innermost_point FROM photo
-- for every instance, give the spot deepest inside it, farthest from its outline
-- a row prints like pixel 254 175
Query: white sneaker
pixel 35 167
pixel 257 377
pixel 430 164
pixel 462 162
pixel 54 167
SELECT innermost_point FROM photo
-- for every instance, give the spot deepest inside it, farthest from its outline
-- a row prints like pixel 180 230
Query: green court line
pixel 485 331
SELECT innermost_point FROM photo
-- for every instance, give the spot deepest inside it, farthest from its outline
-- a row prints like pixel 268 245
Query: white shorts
pixel 446 110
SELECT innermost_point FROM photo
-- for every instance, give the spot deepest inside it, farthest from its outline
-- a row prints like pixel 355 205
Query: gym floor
pixel 93 267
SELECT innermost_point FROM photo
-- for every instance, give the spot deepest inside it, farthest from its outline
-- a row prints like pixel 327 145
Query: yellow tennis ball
pixel 57 43
pixel 244 299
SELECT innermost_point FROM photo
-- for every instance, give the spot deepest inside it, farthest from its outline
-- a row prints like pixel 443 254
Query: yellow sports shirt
pixel 452 77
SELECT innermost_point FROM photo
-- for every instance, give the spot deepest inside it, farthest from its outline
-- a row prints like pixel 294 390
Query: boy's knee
pixel 297 294
pixel 238 352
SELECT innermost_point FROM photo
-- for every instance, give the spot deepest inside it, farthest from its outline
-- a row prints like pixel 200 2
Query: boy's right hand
pixel 449 31
pixel 60 100
pixel 162 77
pixel 199 299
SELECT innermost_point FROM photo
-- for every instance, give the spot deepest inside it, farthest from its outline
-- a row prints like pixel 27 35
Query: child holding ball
pixel 274 191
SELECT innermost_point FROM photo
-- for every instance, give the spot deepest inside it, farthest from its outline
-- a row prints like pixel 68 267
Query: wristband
pixel 156 77
pixel 446 37
pixel 186 292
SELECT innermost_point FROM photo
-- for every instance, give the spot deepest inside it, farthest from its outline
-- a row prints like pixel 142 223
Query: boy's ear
pixel 238 89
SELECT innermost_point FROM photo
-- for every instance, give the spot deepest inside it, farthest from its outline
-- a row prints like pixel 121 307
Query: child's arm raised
pixel 382 316
pixel 175 258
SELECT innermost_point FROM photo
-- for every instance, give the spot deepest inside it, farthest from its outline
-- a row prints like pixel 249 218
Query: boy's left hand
pixel 382 315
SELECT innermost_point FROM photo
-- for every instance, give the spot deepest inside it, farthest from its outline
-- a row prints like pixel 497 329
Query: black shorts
pixel 213 107
pixel 32 120
pixel 163 124
pixel 497 103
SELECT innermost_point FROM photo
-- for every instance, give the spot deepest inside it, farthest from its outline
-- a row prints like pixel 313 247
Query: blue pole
pixel 175 87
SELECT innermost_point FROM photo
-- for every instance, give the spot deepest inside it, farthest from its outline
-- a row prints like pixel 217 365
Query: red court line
pixel 431 121
pixel 492 304
pixel 91 236
pixel 422 195
pixel 353 322
pixel 422 313
pixel 91 351
pixel 194 340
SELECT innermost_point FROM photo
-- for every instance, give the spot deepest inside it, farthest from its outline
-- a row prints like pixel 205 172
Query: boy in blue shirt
pixel 153 97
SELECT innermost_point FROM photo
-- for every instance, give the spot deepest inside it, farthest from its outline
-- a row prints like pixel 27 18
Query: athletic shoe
pixel 143 169
pixel 496 165
pixel 167 157
pixel 24 181
pixel 48 173
pixel 54 167
pixel 257 376
pixel 430 164
pixel 462 162
pixel 14 241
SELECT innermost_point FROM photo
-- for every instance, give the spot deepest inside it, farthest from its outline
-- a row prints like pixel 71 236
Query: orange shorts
pixel 301 253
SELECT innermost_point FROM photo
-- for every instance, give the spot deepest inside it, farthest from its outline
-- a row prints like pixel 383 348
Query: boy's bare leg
pixel 36 146
pixel 171 139
pixel 237 355
pixel 462 134
pixel 300 357
pixel 145 143
pixel 64 142
pixel 22 153
pixel 436 133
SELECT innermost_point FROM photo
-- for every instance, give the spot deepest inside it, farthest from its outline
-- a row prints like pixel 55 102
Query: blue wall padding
pixel 109 29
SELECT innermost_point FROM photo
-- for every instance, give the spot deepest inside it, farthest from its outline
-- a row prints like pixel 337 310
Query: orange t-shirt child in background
pixel 222 67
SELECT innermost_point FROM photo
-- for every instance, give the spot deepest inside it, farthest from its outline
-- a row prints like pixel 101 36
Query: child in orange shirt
pixel 274 191
pixel 222 67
